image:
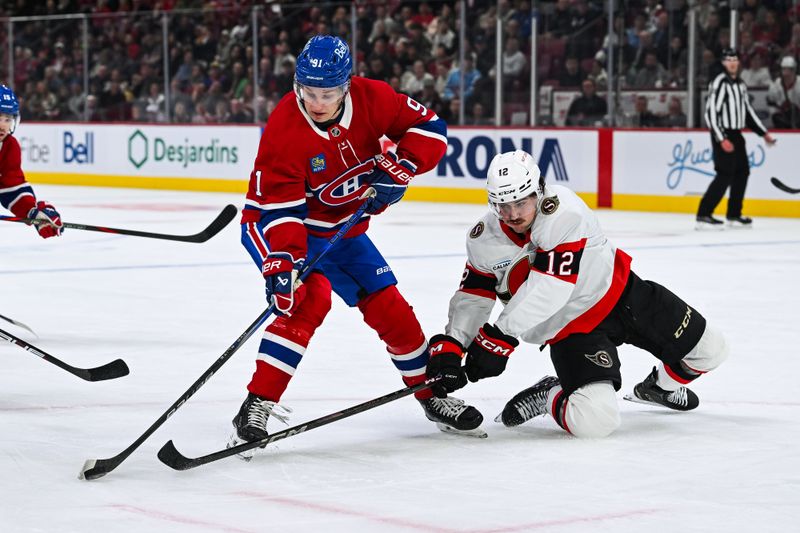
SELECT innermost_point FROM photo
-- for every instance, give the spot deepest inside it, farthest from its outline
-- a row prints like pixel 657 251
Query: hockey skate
pixel 454 416
pixel 682 399
pixel 527 403
pixel 707 222
pixel 250 423
pixel 740 222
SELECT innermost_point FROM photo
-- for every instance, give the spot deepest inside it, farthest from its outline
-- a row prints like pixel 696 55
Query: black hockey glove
pixel 487 354
pixel 445 361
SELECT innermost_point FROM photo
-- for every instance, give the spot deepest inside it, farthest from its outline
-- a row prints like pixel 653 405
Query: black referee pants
pixel 732 170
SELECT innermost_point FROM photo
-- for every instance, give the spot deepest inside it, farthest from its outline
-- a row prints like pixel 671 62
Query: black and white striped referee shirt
pixel 728 107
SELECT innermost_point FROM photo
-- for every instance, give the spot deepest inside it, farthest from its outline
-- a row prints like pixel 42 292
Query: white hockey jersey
pixel 562 277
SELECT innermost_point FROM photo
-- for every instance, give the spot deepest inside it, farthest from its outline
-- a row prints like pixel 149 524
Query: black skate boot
pixel 705 222
pixel 740 222
pixel 454 416
pixel 527 403
pixel 682 399
pixel 250 423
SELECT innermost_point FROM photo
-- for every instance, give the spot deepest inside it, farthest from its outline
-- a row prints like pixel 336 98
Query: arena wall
pixel 643 170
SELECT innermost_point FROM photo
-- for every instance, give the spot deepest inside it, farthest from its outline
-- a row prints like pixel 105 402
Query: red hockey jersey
pixel 306 180
pixel 16 194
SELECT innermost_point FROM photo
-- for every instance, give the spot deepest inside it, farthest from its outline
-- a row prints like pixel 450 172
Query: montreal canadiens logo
pixel 346 187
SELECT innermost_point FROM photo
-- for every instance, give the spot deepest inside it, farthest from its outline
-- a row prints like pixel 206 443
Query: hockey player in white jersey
pixel 541 252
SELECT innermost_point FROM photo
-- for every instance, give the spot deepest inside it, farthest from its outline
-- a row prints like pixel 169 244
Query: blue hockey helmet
pixel 324 62
pixel 9 105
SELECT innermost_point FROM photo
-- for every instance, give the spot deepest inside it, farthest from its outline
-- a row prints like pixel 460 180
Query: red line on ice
pixel 160 515
pixel 435 529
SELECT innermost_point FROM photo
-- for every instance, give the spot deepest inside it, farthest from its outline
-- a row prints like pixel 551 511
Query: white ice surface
pixel 170 309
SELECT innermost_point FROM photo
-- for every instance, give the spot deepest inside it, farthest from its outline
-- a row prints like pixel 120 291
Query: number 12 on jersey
pixel 563 262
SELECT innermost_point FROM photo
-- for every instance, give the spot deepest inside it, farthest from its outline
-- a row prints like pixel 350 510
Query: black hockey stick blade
pixel 19 325
pixel 97 468
pixel 222 220
pixel 170 456
pixel 782 186
pixel 114 369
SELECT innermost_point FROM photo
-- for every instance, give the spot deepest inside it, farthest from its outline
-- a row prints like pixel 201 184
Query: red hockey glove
pixel 446 353
pixel 488 353
pixel 280 275
pixel 53 227
pixel 390 180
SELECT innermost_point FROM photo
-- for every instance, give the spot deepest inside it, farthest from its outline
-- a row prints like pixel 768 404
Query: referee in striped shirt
pixel 728 111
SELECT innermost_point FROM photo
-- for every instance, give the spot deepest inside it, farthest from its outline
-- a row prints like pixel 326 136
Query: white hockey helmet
pixel 512 176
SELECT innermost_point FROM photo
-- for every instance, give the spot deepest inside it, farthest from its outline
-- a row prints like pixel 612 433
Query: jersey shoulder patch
pixel 549 205
pixel 477 230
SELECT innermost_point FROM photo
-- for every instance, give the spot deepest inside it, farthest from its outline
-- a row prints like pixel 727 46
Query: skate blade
pixel 246 456
pixel 478 432
pixel 705 226
pixel 499 420
pixel 635 399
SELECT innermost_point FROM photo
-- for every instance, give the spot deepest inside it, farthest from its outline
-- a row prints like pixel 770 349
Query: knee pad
pixel 592 411
pixel 388 313
pixel 710 352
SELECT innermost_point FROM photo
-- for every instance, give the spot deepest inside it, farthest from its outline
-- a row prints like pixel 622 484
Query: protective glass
pixel 512 210
pixel 321 95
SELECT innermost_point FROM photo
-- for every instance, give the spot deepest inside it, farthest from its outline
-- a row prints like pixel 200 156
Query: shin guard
pixel 286 339
pixel 388 313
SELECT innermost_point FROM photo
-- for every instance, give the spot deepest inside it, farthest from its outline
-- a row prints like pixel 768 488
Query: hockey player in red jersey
pixel 319 152
pixel 542 253
pixel 16 194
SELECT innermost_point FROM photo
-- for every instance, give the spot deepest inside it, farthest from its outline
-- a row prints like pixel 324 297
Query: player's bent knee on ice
pixel 592 411
pixel 710 352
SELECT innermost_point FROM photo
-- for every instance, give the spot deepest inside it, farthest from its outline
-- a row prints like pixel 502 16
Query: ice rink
pixel 170 309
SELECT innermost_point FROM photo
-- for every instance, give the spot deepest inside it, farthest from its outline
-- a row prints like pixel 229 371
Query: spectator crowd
pixel 217 71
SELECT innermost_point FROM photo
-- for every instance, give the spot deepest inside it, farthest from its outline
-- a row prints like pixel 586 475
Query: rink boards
pixel 648 170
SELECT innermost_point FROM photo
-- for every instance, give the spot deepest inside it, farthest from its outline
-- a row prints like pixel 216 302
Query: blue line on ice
pixel 389 258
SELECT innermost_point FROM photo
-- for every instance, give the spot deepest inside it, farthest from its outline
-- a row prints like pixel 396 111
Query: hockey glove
pixel 390 180
pixel 53 226
pixel 280 274
pixel 487 354
pixel 445 361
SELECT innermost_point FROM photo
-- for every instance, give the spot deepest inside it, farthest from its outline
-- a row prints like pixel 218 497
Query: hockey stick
pixel 782 186
pixel 227 214
pixel 115 369
pixel 19 325
pixel 95 468
pixel 170 456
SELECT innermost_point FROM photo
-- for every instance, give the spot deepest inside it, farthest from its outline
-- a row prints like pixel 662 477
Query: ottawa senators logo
pixel 346 187
pixel 549 205
pixel 515 276
pixel 602 359
pixel 476 231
